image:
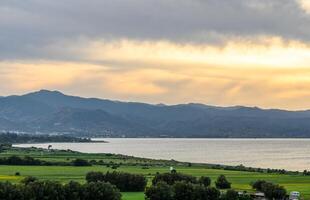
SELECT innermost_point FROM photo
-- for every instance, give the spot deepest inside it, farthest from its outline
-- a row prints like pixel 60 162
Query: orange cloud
pixel 268 73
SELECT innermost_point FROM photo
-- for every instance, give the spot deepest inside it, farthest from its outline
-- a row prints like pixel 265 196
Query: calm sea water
pixel 290 154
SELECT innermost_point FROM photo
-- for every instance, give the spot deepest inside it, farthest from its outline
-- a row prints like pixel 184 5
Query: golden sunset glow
pixel 268 73
pixel 257 55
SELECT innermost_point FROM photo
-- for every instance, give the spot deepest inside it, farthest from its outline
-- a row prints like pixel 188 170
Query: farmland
pixel 240 179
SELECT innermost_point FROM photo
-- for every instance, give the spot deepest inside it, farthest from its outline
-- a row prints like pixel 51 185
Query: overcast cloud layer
pixel 29 25
pixel 223 52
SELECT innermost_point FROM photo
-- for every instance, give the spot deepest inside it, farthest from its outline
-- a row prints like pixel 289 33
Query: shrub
pixel 28 179
pixel 80 162
pixel 94 176
pixel 206 181
pixel 222 183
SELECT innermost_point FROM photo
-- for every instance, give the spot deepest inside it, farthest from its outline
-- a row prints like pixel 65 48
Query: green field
pixel 240 180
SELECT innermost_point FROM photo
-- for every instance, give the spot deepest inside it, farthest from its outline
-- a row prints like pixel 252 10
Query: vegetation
pixel 222 183
pixel 189 191
pixel 126 182
pixel 12 138
pixel 30 161
pixel 171 178
pixel 32 189
pixel 271 190
pixel 240 180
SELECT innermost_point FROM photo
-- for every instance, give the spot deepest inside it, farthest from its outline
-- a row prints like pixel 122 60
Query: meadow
pixel 240 180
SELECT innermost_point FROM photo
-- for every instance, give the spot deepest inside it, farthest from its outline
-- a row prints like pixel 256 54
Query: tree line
pixel 126 182
pixel 33 189
pixel 177 186
pixel 13 138
pixel 30 161
pixel 107 186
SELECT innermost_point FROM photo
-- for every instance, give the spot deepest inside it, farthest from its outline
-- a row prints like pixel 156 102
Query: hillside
pixel 53 112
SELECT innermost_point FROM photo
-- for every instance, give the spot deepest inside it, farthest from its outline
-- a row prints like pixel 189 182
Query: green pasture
pixel 240 180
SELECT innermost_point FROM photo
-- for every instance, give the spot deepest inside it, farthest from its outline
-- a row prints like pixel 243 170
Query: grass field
pixel 240 180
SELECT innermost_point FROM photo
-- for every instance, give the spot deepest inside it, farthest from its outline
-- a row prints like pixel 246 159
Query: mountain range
pixel 47 112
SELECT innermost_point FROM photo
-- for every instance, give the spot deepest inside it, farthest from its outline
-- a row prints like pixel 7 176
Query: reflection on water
pixel 290 154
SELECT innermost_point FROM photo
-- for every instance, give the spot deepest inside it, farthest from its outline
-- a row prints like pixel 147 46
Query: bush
pixel 28 179
pixel 273 191
pixel 94 177
pixel 160 191
pixel 9 191
pixel 124 181
pixel 100 191
pixel 74 191
pixel 183 191
pixel 231 195
pixel 206 181
pixel 258 185
pixel 222 183
pixel 80 162
pixel 171 178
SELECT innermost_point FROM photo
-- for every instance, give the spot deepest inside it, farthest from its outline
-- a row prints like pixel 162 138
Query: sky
pixel 216 52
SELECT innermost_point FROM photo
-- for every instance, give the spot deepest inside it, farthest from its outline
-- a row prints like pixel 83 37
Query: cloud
pixel 268 73
pixel 30 25
pixel 227 52
pixel 305 4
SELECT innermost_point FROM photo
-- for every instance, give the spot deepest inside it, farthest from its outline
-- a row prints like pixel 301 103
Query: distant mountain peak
pixel 45 91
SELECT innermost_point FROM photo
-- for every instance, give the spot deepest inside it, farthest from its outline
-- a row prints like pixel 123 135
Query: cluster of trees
pixel 271 191
pixel 172 178
pixel 32 189
pixel 177 186
pixel 126 182
pixel 27 160
pixel 11 138
pixel 182 190
pixel 306 173
pixel 252 169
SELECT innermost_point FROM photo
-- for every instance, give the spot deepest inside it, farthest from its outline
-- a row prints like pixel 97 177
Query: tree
pixel 126 182
pixel 222 183
pixel 171 178
pixel 47 190
pixel 160 191
pixel 206 181
pixel 279 192
pixel 74 191
pixel 231 195
pixel 258 185
pixel 206 193
pixel 8 191
pixel 183 191
pixel 101 190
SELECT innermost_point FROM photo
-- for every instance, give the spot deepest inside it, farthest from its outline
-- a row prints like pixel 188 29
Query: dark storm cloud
pixel 29 25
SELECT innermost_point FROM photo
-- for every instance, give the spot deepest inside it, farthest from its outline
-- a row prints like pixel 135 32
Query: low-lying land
pixel 109 162
pixel 12 138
